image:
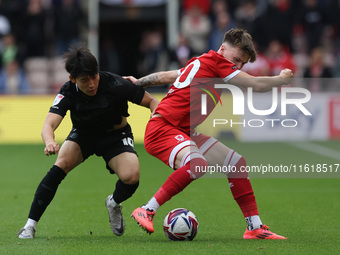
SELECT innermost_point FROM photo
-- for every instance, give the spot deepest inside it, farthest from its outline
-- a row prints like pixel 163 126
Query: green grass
pixel 306 210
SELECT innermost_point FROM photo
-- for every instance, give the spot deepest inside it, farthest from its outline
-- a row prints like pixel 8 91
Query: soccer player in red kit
pixel 170 134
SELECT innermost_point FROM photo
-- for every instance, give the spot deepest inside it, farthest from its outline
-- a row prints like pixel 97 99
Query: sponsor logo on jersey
pixel 57 99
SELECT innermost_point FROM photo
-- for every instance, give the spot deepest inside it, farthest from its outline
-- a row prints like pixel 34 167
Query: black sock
pixel 124 191
pixel 45 192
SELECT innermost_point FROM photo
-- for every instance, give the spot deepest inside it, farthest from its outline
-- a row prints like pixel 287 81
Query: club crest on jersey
pixel 180 138
pixel 57 99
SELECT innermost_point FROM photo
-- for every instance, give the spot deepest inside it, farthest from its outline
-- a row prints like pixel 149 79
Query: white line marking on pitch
pixel 317 149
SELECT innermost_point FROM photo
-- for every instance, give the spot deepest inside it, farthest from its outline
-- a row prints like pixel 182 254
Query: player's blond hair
pixel 241 39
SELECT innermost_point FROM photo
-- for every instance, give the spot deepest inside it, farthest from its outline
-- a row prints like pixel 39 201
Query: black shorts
pixel 106 145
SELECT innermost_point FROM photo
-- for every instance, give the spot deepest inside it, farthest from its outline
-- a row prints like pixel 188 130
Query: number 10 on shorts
pixel 128 141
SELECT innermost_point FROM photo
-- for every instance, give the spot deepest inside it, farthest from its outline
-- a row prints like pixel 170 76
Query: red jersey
pixel 182 106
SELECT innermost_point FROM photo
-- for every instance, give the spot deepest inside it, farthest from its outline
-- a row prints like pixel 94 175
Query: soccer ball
pixel 180 225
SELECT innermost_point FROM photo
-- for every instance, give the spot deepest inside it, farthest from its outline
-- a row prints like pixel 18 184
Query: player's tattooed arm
pixel 154 79
pixel 149 80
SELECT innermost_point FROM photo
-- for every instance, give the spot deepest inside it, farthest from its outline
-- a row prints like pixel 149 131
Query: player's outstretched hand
pixel 287 74
pixel 130 78
pixel 51 149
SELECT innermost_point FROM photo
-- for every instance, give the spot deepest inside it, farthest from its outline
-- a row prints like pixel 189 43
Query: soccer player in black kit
pixel 98 103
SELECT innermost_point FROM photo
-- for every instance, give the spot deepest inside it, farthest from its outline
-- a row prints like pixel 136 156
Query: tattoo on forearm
pixel 151 79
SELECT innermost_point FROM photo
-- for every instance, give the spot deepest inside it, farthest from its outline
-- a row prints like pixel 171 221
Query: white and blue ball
pixel 180 225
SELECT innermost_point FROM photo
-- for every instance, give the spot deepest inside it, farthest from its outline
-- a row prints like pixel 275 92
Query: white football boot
pixel 116 218
pixel 26 233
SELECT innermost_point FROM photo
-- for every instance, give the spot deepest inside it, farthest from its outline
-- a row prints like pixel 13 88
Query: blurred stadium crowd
pixel 303 35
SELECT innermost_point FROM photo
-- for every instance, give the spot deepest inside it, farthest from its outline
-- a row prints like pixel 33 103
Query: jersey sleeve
pixel 131 92
pixel 61 103
pixel 226 70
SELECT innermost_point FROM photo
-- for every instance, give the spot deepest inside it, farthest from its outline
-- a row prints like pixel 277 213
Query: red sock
pixel 178 180
pixel 242 190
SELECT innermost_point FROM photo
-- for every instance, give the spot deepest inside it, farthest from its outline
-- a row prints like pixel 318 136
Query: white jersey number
pixel 187 75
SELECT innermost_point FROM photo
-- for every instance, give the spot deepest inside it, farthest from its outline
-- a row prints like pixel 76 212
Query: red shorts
pixel 164 141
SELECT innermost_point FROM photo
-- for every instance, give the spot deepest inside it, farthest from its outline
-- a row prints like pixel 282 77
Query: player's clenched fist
pixel 287 74
pixel 51 148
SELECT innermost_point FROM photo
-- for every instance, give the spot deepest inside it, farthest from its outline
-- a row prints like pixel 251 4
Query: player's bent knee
pixel 63 166
pixel 131 178
pixel 67 163
pixel 238 169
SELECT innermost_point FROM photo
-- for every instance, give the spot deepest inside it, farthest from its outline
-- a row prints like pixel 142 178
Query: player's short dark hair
pixel 241 39
pixel 79 61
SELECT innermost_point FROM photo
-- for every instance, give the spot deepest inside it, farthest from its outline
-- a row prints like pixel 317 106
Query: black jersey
pixel 92 114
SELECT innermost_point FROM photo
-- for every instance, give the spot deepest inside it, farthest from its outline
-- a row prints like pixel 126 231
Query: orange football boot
pixel 261 233
pixel 144 219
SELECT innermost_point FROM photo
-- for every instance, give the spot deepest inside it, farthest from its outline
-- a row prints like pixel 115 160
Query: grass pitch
pixel 306 210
